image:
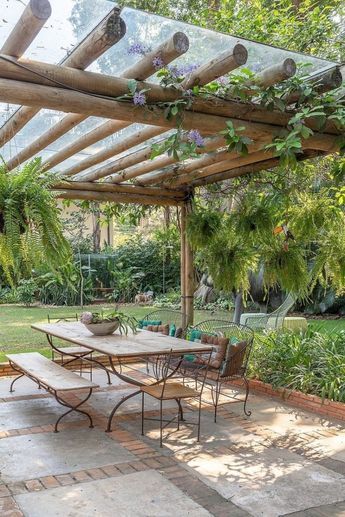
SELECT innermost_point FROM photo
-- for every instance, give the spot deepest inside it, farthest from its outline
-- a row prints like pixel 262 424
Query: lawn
pixel 16 334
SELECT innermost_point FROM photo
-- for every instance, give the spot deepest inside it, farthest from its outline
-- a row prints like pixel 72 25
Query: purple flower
pixel 157 62
pixel 180 71
pixel 223 80
pixel 195 137
pixel 139 99
pixel 136 48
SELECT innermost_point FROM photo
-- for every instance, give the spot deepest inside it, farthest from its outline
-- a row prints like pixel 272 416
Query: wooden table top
pixel 144 343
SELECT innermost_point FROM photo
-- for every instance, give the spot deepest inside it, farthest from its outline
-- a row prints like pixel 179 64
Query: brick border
pixel 312 403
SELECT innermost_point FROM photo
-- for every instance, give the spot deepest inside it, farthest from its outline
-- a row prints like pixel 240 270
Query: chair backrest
pixel 236 363
pixel 276 318
pixel 165 316
pixel 73 317
pixel 169 364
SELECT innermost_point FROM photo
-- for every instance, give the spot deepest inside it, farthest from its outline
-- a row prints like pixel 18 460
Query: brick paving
pixel 307 438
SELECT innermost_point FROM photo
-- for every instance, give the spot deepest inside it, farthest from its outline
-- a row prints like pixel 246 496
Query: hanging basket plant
pixel 202 226
pixel 30 227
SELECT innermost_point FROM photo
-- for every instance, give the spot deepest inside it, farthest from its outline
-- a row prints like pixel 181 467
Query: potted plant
pixel 105 323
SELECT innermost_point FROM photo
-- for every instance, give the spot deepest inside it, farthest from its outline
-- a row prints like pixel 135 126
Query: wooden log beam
pixel 222 64
pixel 189 274
pixel 33 18
pixel 119 189
pixel 229 163
pixel 110 197
pixel 172 48
pixel 101 38
pixel 146 165
pixel 323 82
pixel 169 50
pixel 74 102
pixel 247 169
pixel 118 147
pixel 320 142
pixel 274 74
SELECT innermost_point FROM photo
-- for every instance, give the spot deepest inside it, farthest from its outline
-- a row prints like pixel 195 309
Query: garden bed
pixel 307 402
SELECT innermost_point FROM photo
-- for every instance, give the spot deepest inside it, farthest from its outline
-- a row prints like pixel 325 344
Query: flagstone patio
pixel 280 461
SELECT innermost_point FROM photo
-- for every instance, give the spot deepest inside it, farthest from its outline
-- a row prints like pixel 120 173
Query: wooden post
pixel 189 275
pixel 182 266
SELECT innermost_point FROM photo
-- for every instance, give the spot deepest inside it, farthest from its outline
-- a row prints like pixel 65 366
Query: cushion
pixel 179 332
pixel 172 330
pixel 164 329
pixel 219 344
pixel 144 323
pixel 234 359
pixel 194 335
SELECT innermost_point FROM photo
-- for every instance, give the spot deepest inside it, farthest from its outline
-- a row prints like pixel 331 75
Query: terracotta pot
pixel 103 329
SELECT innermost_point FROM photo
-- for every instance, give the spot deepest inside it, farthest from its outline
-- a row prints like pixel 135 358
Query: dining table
pixel 122 349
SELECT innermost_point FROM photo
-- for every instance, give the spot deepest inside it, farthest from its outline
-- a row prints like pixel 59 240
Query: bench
pixel 53 378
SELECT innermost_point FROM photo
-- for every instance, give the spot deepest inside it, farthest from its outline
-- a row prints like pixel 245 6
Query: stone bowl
pixel 103 329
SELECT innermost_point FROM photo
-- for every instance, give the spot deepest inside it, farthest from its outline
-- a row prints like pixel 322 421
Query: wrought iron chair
pixel 273 320
pixel 166 389
pixel 235 363
pixel 165 316
pixel 70 354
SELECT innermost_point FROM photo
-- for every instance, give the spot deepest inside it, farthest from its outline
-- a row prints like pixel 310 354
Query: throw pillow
pixel 234 359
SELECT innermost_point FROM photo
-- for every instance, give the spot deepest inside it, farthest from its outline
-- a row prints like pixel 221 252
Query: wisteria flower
pixel 195 137
pixel 86 318
pixel 136 48
pixel 158 62
pixel 223 80
pixel 139 99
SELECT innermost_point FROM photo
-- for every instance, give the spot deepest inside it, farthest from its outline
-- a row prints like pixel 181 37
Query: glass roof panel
pixel 72 20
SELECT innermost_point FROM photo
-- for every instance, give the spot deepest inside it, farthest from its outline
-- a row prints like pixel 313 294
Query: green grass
pixel 16 334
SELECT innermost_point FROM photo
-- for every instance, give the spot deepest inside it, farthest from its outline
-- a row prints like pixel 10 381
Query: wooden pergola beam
pixel 224 63
pixel 119 189
pixel 33 18
pixel 323 82
pixel 118 147
pixel 274 74
pixel 130 171
pixel 112 197
pixel 100 39
pixel 69 101
pixel 172 48
pixel 247 169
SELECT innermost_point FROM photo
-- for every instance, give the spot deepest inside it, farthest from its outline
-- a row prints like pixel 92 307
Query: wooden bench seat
pixel 52 377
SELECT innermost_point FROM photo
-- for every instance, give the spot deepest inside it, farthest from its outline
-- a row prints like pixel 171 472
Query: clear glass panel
pixel 72 20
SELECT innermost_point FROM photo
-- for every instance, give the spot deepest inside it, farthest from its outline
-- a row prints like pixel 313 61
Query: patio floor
pixel 280 461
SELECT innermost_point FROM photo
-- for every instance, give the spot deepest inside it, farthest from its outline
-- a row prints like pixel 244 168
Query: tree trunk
pixel 238 307
pixel 96 235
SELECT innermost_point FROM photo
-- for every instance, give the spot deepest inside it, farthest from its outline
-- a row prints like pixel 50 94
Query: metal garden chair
pixel 165 316
pixel 168 389
pixel 273 320
pixel 235 363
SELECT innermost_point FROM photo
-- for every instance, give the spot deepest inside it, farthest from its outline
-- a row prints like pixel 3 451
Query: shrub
pixel 27 290
pixel 8 295
pixel 312 362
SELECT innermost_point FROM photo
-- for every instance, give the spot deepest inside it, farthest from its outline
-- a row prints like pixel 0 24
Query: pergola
pixel 99 147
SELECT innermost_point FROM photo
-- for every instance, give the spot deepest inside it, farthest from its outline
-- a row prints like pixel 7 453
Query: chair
pixel 167 389
pixel 273 320
pixel 235 363
pixel 165 316
pixel 76 352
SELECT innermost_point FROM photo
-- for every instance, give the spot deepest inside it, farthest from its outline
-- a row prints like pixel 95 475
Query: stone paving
pixel 280 461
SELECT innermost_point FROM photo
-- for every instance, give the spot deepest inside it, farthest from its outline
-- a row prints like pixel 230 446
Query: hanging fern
pixel 329 264
pixel 202 226
pixel 286 268
pixel 30 227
